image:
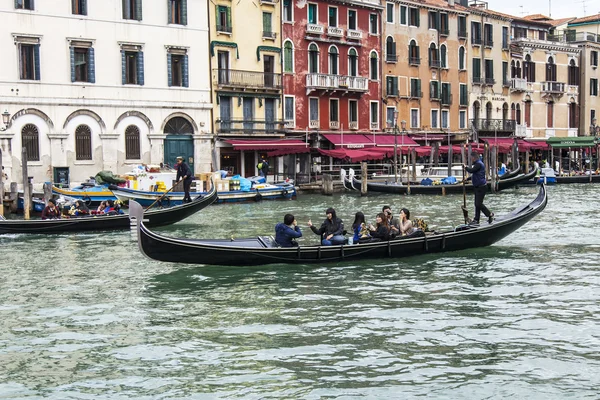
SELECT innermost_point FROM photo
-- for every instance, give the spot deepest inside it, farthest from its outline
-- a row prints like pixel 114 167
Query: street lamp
pixel 5 120
pixel 396 146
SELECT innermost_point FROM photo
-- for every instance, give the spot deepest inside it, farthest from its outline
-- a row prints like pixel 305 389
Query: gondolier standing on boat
pixel 480 187
pixel 184 172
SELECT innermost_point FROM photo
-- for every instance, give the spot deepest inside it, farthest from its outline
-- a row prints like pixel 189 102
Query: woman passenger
pixel 382 229
pixel 359 227
pixel 406 226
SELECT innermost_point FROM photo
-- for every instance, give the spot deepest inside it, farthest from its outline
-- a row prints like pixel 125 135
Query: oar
pixel 163 195
pixel 464 206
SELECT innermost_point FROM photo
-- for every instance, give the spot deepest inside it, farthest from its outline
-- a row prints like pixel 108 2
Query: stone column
pixel 57 149
pixel 157 148
pixel 109 151
pixel 202 154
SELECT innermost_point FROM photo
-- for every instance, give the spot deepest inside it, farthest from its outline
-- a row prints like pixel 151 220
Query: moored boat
pixel 264 250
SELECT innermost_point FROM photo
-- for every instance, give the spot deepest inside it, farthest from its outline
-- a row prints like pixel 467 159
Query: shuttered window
pixel 132 143
pixel 391 85
pixel 288 57
pixel 83 143
pixel 177 12
pixel 177 69
pixel 30 139
pixel 132 9
pixel 79 7
pixel 83 62
pixel 29 61
pixel 132 67
pixel 24 4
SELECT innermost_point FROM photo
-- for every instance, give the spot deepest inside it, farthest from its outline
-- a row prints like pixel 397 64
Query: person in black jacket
pixel 331 230
pixel 480 188
pixel 184 172
pixel 382 230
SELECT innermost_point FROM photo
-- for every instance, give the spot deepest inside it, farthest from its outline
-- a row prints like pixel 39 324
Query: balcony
pixel 231 78
pixel 518 85
pixel 334 124
pixel 336 83
pixel 434 63
pixel 414 61
pixel 314 29
pixel 249 126
pixel 475 41
pixel 553 87
pixel 335 31
pixel 313 124
pixel 224 29
pixel 391 58
pixel 463 34
pixel 269 2
pixel 550 133
pixel 269 35
pixel 354 34
pixel 353 125
pixel 493 125
pixel 506 82
pixel 374 126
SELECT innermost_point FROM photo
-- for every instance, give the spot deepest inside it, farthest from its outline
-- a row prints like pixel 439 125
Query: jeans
pixel 480 192
pixel 337 239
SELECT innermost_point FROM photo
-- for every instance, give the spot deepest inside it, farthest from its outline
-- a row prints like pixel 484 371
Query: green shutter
pixel 91 65
pixel 169 69
pixel 140 68
pixel 36 61
pixel 185 70
pixel 123 67
pixel 138 10
pixel 418 17
pixel 418 94
pixel 183 12
pixel 403 11
pixel 72 58
pixel 267 22
pixel 170 19
pixel 395 85
pixel 228 17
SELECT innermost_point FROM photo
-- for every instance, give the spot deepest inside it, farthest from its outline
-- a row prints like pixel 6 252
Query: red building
pixel 332 66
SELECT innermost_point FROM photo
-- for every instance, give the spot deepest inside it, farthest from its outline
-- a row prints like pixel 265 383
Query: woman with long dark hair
pixel 331 230
pixel 382 229
pixel 359 227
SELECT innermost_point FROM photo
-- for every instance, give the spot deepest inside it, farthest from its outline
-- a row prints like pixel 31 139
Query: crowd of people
pixel 80 209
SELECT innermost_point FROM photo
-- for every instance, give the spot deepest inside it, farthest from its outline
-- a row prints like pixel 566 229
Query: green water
pixel 87 317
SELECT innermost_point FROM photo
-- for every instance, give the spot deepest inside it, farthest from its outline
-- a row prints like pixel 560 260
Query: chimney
pixel 451 3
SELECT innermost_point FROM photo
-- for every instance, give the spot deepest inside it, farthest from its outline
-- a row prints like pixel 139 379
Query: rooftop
pixel 584 20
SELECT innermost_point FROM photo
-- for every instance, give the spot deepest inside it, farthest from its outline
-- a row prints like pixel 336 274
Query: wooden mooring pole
pixel 363 178
pixel 327 184
pixel 26 191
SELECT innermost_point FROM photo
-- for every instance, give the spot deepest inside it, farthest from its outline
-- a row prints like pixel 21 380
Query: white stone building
pixel 103 85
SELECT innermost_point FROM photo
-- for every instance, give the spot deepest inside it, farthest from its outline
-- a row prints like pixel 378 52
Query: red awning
pixel 538 145
pixel 266 144
pixel 351 140
pixel 434 137
pixel 285 152
pixel 389 140
pixel 355 155
pixel 456 149
pixel 505 144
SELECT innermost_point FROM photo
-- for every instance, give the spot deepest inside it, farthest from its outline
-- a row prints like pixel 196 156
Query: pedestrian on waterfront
pixel 51 211
pixel 331 230
pixel 184 172
pixel 359 227
pixel 286 232
pixel 406 225
pixel 480 187
pixel 393 223
pixel 263 167
pixel 381 230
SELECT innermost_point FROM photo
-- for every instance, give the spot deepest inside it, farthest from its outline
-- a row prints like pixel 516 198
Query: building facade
pixel 95 86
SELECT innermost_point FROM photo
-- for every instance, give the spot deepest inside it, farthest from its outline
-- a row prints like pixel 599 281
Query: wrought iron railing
pixel 414 60
pixel 326 81
pixel 491 125
pixel 247 79
pixel 249 126
pixel 224 28
pixel 553 87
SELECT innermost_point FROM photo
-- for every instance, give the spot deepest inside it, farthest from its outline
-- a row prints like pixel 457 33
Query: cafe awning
pixel 353 140
pixel 389 140
pixel 268 144
pixel 571 142
pixel 357 155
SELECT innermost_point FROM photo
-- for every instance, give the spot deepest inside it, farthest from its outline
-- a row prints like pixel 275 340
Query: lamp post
pixel 5 120
pixel 395 146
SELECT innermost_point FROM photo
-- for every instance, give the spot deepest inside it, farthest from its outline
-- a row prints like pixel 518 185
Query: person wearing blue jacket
pixel 286 232
pixel 480 187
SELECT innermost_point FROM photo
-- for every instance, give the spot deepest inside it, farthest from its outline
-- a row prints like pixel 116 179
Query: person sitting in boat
pixel 331 230
pixel 381 231
pixel 286 232
pixel 406 225
pixel 393 223
pixel 502 169
pixel 80 208
pixel 51 211
pixel 112 208
pixel 359 228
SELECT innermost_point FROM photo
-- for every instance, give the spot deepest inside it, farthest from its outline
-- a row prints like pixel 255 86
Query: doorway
pixel 179 142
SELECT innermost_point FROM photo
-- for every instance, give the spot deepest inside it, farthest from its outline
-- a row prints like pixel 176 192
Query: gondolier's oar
pixel 163 195
pixel 464 206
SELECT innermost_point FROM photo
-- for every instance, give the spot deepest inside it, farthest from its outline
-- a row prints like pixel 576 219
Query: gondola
pixel 512 173
pixel 578 179
pixel 263 250
pixel 154 217
pixel 391 187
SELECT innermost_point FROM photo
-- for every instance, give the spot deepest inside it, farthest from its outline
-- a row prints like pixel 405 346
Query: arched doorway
pixel 179 141
pixel 476 111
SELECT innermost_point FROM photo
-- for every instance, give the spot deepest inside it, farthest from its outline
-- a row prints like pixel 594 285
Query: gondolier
pixel 480 188
pixel 184 172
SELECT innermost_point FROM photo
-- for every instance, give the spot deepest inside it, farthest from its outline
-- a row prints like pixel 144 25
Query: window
pixel 333 16
pixel 24 4
pixel 528 113
pixel 132 143
pixel 333 61
pixel 224 19
pixel 573 115
pixel 288 56
pixel 573 73
pixel 593 87
pixel 82 64
pixel 443 28
pixel 488 35
pixel 79 7
pixel 464 95
pixel 475 33
pixel 268 26
pixel 390 116
pixel 520 32
pixel 413 16
pixel 352 62
pixel 434 90
pixel 390 50
pixel 435 117
pixel 505 80
pixel 374 115
pixel 389 17
pixel 445 119
pixel 505 37
pixel 594 58
pixel 476 70
pixel 414 118
pixel 433 19
pixel 461 58
pixel 446 94
pixel 414 57
pixel 462 26
pixel 550 70
pixel 374 63
pixel 288 11
pixel 313 59
pixel 592 114
pixel 434 56
pixel 352 22
pixel 529 69
pixel 373 24
pixel 542 35
pixel 550 115
pixel 489 72
pixel 132 9
pixel 177 68
pixel 462 119
pixel 289 111
pixel 443 57
pixel 132 62
pixel 415 88
pixel 30 140
pixel 83 143
pixel 391 84
pixel 29 61
pixel 403 12
pixel 353 113
pixel 177 12
pixel 313 112
pixel 334 111
pixel 312 13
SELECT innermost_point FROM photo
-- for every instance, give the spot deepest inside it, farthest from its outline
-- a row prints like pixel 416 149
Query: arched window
pixel 573 114
pixel 434 56
pixel 288 56
pixel 476 112
pixel 83 143
pixel 352 62
pixel 443 56
pixel 390 50
pixel 313 59
pixel 513 111
pixel 518 70
pixel 505 112
pixel 550 114
pixel 550 70
pixel 488 110
pixel 374 63
pixel 179 126
pixel 333 60
pixel 513 69
pixel 132 143
pixel 414 57
pixel 573 78
pixel 518 114
pixel 30 140
pixel 461 58
pixel 529 69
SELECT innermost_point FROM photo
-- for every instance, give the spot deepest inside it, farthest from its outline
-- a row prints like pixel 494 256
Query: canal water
pixel 87 317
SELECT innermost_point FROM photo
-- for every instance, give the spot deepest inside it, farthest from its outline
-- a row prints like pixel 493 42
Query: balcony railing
pixel 337 82
pixel 491 125
pixel 354 34
pixel 247 79
pixel 391 58
pixel 269 35
pixel 463 34
pixel 335 31
pixel 374 126
pixel 553 87
pixel 414 61
pixel 315 29
pixel 518 85
pixel 313 124
pixel 353 125
pixel 476 41
pixel 447 100
pixel 434 63
pixel 334 124
pixel 249 126
pixel 224 28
